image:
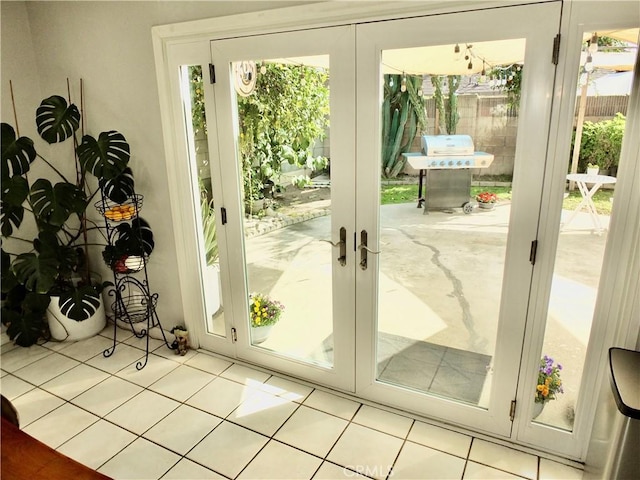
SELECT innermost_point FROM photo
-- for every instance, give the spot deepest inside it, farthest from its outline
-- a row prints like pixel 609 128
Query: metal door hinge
pixel 234 335
pixel 533 252
pixel 223 215
pixel 512 410
pixel 556 50
pixel 212 73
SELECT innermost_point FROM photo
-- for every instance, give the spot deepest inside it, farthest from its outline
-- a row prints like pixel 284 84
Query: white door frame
pixel 620 283
pixel 338 43
pixel 618 280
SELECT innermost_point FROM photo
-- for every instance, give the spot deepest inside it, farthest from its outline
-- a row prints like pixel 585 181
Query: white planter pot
pixel 63 328
pixel 593 171
pixel 260 334
pixel 212 289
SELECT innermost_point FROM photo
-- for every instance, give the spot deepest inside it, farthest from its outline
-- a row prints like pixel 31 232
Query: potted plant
pixel 549 383
pixel 264 313
pixel 54 274
pixel 592 169
pixel 486 200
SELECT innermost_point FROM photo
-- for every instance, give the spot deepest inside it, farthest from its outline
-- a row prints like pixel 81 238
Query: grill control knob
pixel 433 163
pixel 459 162
pixel 450 162
pixel 442 163
pixel 467 162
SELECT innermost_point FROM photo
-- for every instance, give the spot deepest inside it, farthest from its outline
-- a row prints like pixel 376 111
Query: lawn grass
pixel 391 194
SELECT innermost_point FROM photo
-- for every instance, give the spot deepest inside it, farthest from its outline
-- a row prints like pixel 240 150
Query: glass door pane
pixel 192 89
pixel 441 266
pixel 283 125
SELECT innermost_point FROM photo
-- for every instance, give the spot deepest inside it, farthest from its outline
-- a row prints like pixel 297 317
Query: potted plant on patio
pixel 592 169
pixel 264 313
pixel 549 384
pixel 487 200
pixel 53 274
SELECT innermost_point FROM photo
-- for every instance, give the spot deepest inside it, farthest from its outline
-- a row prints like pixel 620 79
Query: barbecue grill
pixel 445 165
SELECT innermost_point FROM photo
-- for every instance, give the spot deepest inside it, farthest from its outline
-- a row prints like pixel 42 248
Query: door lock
pixel 342 244
pixel 364 249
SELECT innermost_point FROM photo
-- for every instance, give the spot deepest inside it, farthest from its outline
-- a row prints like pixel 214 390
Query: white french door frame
pixel 189 44
pixel 539 24
pixel 338 44
pixel 618 280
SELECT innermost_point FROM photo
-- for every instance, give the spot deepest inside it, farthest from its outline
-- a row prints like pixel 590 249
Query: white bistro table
pixel 582 179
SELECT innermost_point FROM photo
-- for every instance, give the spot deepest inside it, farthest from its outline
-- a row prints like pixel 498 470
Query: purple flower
pixel 559 367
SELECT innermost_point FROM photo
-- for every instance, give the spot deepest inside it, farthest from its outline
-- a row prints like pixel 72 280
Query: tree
pixel 281 121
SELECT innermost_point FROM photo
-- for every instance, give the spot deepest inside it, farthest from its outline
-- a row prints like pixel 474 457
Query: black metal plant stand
pixel 133 304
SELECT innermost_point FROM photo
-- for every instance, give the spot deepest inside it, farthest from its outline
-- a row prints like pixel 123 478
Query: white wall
pixel 108 45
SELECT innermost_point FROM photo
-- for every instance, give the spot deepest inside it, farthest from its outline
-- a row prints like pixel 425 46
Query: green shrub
pixel 601 143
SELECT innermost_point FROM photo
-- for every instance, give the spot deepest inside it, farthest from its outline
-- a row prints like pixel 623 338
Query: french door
pixel 441 310
pixel 307 268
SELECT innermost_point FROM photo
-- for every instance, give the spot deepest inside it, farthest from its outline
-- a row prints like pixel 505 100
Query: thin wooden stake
pixel 13 104
pixel 82 107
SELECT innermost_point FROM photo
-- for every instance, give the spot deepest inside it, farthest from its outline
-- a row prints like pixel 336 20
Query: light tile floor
pixel 202 417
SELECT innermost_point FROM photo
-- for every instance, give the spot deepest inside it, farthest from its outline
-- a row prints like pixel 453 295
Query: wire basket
pixel 120 212
pixel 129 264
pixel 135 307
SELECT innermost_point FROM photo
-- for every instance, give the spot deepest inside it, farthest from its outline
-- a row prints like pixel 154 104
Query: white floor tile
pixel 12 387
pixel 35 404
pixel 46 368
pixel 97 444
pixel 60 425
pixel 140 460
pixel 208 363
pixel 123 356
pixel 363 448
pixel 311 430
pixel 333 404
pixel 422 463
pixel 182 382
pixel 287 389
pixel 186 469
pixel 277 461
pixel 121 333
pixel 182 429
pixel 19 357
pixel 56 345
pixel 245 375
pixel 475 471
pixel 156 368
pixel 386 422
pixel 141 343
pixel 107 396
pixel 86 349
pixel 75 381
pixel 142 411
pixel 440 438
pixel 221 396
pixel 550 470
pixel 263 412
pixel 504 458
pixel 228 449
pixel 329 471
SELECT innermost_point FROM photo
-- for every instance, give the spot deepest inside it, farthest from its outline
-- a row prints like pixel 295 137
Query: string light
pixel 588 66
pixel 593 44
pixel 403 83
pixel 456 49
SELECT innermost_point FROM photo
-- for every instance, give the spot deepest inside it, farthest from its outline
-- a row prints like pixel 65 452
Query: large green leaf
pixel 106 157
pixel 57 121
pixel 120 188
pixel 80 303
pixel 17 153
pixel 37 273
pixel 135 238
pixel 25 329
pixel 9 280
pixel 54 204
pixel 14 193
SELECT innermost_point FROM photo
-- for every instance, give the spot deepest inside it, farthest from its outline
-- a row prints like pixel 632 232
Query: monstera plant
pixel 55 265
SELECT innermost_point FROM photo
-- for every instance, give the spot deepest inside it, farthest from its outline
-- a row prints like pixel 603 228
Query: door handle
pixel 364 250
pixel 342 244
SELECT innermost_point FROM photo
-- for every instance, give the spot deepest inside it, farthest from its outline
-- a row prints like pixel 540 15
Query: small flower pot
pixel 487 206
pixel 260 334
pixel 537 409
